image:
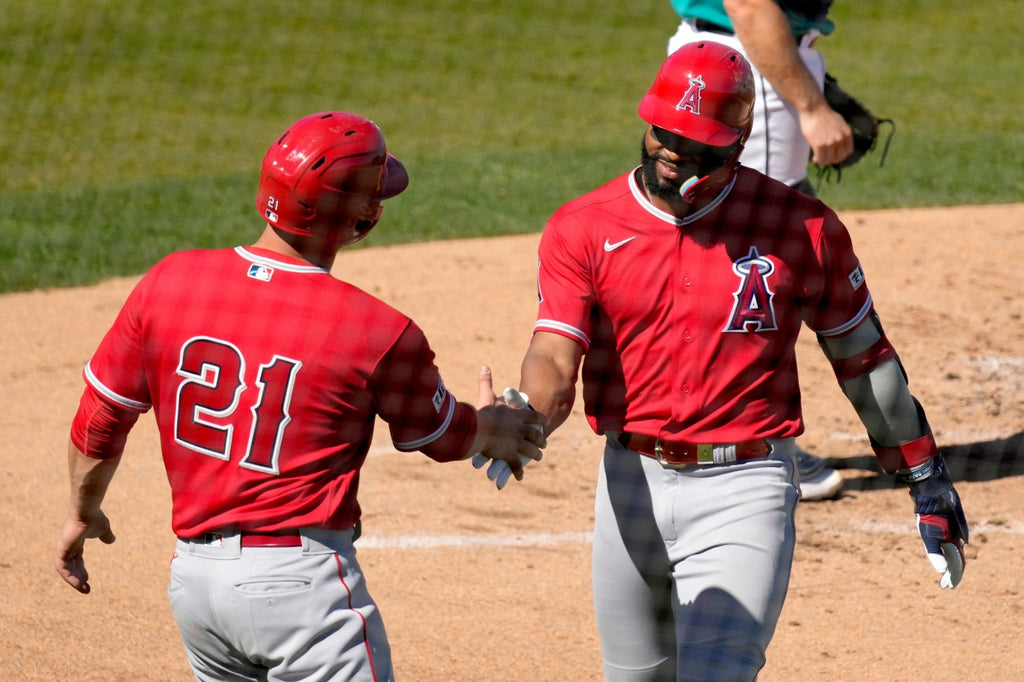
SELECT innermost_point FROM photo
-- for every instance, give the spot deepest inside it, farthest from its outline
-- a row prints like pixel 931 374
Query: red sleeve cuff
pixel 907 455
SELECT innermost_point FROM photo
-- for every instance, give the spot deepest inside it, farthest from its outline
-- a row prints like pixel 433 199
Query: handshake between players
pixel 529 448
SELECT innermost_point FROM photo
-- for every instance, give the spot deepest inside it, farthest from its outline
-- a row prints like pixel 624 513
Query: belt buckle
pixel 659 455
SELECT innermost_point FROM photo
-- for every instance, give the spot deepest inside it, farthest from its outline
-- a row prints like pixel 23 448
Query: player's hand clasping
pixel 518 434
pixel 941 521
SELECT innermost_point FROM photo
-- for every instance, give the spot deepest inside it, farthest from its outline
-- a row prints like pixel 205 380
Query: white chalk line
pixel 996 362
pixel 457 540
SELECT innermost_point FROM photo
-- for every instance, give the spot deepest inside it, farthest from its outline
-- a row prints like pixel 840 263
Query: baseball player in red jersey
pixel 677 291
pixel 792 121
pixel 265 375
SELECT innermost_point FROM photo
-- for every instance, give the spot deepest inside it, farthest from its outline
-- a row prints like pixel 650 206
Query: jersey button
pixel 687 335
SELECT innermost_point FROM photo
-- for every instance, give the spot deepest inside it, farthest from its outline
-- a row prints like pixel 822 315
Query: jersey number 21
pixel 214 379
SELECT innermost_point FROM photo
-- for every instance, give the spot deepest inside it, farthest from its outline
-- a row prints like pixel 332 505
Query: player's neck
pixel 312 251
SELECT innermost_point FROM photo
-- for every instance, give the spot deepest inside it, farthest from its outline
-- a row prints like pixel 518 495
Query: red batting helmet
pixel 705 92
pixel 326 173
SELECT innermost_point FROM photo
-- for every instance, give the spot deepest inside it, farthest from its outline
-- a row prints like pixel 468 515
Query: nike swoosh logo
pixel 609 247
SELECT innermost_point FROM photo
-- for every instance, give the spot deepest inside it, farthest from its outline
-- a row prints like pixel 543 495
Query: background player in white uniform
pixel 678 290
pixel 266 374
pixel 792 122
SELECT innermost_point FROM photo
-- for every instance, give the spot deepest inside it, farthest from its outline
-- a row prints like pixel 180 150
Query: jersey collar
pixel 645 203
pixel 265 257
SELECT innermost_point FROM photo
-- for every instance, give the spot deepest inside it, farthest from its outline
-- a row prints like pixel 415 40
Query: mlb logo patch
pixel 261 272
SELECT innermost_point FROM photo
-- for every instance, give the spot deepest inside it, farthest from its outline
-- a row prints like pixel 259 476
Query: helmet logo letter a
pixel 691 100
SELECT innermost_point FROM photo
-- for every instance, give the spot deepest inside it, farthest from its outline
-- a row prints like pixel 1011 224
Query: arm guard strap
pixel 906 455
pixel 859 351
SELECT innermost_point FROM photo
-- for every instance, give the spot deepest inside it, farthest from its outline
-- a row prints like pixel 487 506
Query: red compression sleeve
pixel 100 428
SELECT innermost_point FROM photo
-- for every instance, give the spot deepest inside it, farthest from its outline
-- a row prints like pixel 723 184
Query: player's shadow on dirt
pixel 985 461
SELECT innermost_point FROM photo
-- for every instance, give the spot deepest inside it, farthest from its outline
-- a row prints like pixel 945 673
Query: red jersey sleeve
pixel 843 301
pixel 564 291
pixel 117 368
pixel 412 398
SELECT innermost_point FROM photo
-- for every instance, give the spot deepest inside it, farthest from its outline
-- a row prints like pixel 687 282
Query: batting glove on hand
pixel 940 519
pixel 499 471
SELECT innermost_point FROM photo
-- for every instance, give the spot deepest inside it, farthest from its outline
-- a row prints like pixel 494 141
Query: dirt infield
pixel 477 584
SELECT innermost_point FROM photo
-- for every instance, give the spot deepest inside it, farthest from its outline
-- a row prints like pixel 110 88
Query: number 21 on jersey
pixel 213 374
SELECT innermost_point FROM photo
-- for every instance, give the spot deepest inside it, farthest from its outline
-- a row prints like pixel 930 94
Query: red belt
pixel 285 539
pixel 672 453
pixel 282 539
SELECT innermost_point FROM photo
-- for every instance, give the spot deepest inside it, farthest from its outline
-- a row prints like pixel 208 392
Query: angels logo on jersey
pixel 691 100
pixel 752 310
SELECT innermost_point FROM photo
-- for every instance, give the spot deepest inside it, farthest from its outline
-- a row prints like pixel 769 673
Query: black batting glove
pixel 940 519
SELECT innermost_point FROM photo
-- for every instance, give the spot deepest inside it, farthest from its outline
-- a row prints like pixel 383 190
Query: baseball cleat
pixel 817 481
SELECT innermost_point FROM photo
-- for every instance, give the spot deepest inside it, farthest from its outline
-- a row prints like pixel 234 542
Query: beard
pixel 711 160
pixel 655 184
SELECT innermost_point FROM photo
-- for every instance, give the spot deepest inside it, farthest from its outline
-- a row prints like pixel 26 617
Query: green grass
pixel 950 75
pixel 135 128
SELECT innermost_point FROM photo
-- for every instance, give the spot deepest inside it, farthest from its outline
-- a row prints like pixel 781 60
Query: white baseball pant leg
pixel 691 566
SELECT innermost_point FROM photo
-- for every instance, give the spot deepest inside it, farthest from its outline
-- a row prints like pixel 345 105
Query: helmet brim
pixel 703 129
pixel 396 179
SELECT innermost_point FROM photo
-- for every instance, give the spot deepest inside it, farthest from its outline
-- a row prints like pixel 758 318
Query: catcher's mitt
pixel 864 125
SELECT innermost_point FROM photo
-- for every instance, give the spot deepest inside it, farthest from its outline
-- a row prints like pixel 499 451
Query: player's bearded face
pixel 668 160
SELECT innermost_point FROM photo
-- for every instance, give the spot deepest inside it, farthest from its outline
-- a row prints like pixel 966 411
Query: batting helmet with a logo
pixel 705 92
pixel 327 174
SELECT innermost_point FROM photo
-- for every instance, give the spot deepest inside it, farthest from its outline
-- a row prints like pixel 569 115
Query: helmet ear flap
pixel 361 228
